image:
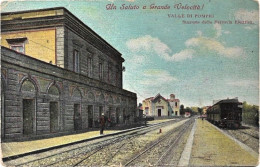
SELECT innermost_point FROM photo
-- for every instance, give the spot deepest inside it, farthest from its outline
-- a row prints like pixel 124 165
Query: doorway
pixel 54 109
pixel 90 116
pixel 159 112
pixel 100 111
pixel 77 117
pixel 117 115
pixel 109 112
pixel 28 110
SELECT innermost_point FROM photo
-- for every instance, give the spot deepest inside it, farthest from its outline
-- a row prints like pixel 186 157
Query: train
pixel 226 113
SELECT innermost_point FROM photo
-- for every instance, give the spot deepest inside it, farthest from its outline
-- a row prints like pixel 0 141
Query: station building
pixel 58 76
pixel 159 106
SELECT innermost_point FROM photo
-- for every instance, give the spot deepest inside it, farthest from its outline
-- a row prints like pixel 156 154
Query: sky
pixel 198 55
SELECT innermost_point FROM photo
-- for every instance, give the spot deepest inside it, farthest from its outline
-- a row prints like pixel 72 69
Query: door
pixel 109 112
pixel 77 117
pixel 28 109
pixel 117 115
pixel 100 111
pixel 124 116
pixel 159 112
pixel 54 108
pixel 90 116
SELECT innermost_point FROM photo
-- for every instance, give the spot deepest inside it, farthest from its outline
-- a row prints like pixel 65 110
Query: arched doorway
pixel 54 96
pixel 117 115
pixel 110 108
pixel 28 93
pixel 90 109
pixel 77 110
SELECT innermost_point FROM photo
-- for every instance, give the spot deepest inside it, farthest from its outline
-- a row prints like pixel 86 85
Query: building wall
pixel 73 89
pixel 161 104
pixel 52 35
pixel 175 108
pixel 75 42
pixel 147 107
pixel 40 43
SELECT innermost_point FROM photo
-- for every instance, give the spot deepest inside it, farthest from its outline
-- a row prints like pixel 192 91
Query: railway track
pixel 78 155
pixel 159 152
pixel 251 140
pixel 252 135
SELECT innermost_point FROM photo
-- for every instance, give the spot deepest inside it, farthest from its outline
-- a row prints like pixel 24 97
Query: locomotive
pixel 226 113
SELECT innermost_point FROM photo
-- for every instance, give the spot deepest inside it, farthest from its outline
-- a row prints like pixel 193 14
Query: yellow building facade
pixel 159 106
pixel 39 44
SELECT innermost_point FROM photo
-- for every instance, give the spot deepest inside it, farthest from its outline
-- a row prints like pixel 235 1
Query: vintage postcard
pixel 130 83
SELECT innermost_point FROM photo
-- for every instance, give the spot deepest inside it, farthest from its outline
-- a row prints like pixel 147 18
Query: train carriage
pixel 226 113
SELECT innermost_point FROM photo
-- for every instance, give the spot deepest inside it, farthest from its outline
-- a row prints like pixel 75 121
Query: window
pixel 17 47
pixel 76 61
pixel 17 44
pixel 117 71
pixel 89 67
pixel 101 71
pixel 108 72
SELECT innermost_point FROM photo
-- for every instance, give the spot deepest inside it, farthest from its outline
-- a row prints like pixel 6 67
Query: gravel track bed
pixel 152 156
pixel 83 150
pixel 248 136
pixel 173 158
pixel 119 153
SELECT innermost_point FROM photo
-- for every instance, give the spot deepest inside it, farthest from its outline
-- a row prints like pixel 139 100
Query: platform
pixel 211 147
pixel 18 148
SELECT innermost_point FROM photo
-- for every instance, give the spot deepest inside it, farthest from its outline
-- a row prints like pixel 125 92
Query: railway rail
pixel 160 149
pixel 246 136
pixel 77 155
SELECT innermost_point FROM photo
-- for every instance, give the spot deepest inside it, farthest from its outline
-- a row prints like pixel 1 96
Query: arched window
pixel 101 98
pixel 28 87
pixel 90 97
pixel 110 99
pixel 54 91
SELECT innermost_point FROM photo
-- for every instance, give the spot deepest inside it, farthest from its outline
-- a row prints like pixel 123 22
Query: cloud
pixel 219 30
pixel 245 15
pixel 152 75
pixel 137 59
pixel 155 45
pixel 214 45
pixel 243 83
pixel 199 33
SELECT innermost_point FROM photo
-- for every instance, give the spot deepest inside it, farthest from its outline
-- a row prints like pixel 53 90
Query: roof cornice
pixel 66 19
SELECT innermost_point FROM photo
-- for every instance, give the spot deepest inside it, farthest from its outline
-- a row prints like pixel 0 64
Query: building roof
pixel 157 96
pixel 235 100
pixel 173 100
pixel 149 98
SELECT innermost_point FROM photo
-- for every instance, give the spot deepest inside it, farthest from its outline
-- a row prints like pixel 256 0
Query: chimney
pixel 172 96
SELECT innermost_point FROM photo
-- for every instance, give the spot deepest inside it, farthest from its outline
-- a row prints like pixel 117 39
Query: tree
pixel 195 109
pixel 182 112
pixel 200 110
pixel 250 114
